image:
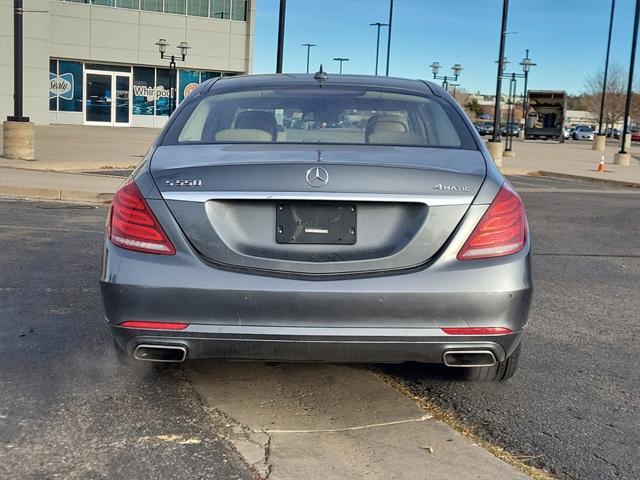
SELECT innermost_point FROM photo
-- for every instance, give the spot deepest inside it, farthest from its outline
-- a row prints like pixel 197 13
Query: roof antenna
pixel 320 75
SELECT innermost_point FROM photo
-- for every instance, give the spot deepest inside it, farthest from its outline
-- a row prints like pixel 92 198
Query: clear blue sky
pixel 566 38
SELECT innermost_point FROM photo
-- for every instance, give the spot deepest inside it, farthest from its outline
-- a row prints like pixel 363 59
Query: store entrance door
pixel 107 98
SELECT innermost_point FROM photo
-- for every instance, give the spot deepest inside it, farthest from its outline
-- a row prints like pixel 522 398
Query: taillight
pixel 133 226
pixel 477 331
pixel 501 231
pixel 153 325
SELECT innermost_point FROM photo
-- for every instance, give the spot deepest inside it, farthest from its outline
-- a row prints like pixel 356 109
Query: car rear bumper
pixel 393 318
pixel 316 344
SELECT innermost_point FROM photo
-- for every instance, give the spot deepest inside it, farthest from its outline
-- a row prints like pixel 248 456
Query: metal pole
pixel 283 8
pixel 503 35
pixel 525 96
pixel 172 66
pixel 627 106
pixel 17 64
pixel 510 114
pixel 308 45
pixel 378 47
pixel 340 67
pixel 606 69
pixel 389 35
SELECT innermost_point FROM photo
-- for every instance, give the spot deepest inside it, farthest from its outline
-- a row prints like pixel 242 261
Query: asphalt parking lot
pixel 67 411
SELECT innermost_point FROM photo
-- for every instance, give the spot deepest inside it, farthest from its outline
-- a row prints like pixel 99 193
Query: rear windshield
pixel 327 115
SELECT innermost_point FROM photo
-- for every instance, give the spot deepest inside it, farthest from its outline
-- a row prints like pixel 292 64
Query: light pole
pixel 600 141
pixel 162 48
pixel 389 35
pixel 526 65
pixel 308 45
pixel 496 150
pixel 341 60
pixel 456 69
pixel 379 25
pixel 281 17
pixel 623 157
pixel 17 131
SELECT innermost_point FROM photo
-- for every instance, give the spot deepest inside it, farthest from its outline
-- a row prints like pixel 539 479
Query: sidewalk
pixel 573 158
pixel 75 148
pixel 314 421
pixel 16 182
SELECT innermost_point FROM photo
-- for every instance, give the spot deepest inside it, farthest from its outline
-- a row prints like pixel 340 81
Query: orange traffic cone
pixel 601 165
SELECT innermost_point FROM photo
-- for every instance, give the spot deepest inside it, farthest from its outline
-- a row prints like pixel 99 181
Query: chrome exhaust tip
pixel 160 353
pixel 469 358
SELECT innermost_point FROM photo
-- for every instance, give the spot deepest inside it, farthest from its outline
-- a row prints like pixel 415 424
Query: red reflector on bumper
pixel 477 331
pixel 154 325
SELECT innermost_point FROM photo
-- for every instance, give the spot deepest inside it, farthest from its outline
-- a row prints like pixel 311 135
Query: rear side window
pixel 327 115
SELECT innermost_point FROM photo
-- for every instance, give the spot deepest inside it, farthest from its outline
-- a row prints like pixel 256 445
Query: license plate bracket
pixel 320 223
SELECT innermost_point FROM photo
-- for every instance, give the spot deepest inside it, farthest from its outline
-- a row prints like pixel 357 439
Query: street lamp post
pixel 526 65
pixel 17 131
pixel 623 157
pixel 379 25
pixel 496 111
pixel 389 35
pixel 599 145
pixel 162 48
pixel 281 24
pixel 341 60
pixel 308 45
pixel 456 69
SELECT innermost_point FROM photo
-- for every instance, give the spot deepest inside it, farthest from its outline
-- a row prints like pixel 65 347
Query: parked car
pixel 396 241
pixel 512 129
pixel 583 132
pixel 567 132
pixel 635 136
pixel 615 133
pixel 485 128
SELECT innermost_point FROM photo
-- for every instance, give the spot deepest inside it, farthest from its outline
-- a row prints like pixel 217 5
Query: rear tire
pixel 500 372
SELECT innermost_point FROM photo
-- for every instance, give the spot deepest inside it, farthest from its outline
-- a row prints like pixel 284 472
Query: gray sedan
pixel 315 218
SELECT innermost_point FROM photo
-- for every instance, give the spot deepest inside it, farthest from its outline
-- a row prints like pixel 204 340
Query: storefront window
pixel 152 5
pixel 53 85
pixel 174 6
pixel 189 81
pixel 162 91
pixel 143 90
pixel 238 9
pixel 70 86
pixel 199 8
pixel 204 76
pixel 134 4
pixel 106 3
pixel 219 9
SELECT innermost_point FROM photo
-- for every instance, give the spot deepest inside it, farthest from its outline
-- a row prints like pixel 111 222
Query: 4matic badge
pixel 452 188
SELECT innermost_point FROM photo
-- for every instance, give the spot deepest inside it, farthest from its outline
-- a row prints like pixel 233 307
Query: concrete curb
pixel 55 194
pixel 601 181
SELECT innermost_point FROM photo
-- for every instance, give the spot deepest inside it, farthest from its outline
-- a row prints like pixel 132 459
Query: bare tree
pixel 614 97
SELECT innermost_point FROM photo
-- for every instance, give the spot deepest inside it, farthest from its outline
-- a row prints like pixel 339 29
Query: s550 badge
pixel 183 183
pixel 452 188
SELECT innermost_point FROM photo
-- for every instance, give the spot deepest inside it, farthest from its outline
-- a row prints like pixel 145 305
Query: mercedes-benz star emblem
pixel 317 177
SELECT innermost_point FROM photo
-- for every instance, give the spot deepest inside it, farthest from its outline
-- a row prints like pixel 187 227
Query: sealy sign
pixel 61 86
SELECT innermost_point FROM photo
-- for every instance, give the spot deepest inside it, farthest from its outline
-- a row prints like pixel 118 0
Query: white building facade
pixel 95 62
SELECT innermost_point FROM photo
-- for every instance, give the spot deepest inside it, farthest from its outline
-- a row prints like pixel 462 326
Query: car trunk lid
pixel 259 208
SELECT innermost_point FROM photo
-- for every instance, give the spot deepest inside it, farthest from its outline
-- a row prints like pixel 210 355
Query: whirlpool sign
pixel 61 86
